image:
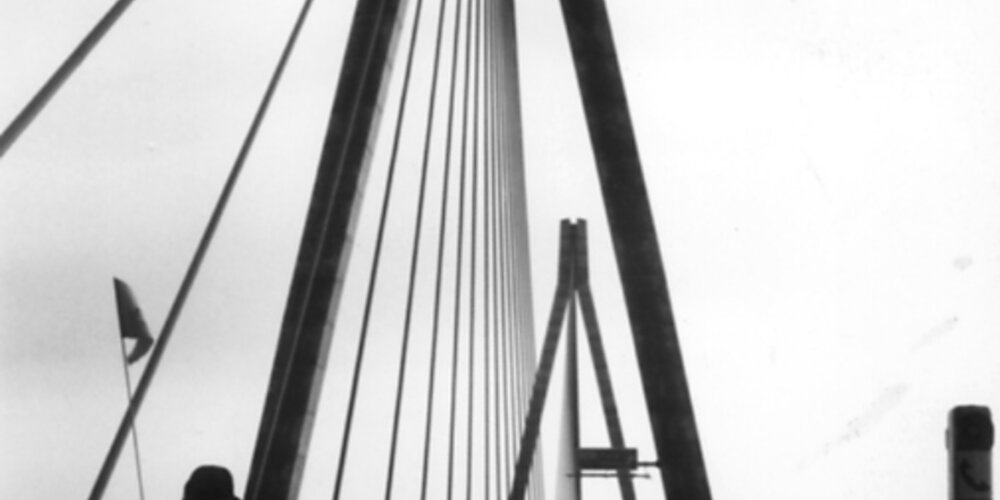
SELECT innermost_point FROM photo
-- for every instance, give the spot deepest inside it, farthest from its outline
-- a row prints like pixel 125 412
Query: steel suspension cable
pixel 473 253
pixel 459 251
pixel 442 226
pixel 512 139
pixel 512 306
pixel 498 264
pixel 490 150
pixel 486 316
pixel 505 298
pixel 65 70
pixel 490 327
pixel 505 147
pixel 509 305
pixel 503 331
pixel 518 295
pixel 376 259
pixel 515 271
pixel 481 47
pixel 414 259
pixel 513 330
pixel 527 351
pixel 460 240
pixel 490 477
pixel 128 420
pixel 494 288
pixel 523 330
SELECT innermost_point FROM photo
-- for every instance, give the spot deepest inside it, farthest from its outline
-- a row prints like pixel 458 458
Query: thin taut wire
pixel 192 272
pixel 135 432
pixel 460 239
pixel 474 222
pixel 415 254
pixel 65 70
pixel 376 259
pixel 442 230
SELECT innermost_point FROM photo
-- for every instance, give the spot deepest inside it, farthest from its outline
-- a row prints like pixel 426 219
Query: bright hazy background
pixel 824 177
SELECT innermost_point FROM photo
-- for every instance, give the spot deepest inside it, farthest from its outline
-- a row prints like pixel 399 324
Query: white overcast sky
pixel 824 176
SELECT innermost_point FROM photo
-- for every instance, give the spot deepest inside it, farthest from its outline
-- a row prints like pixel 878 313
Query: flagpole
pixel 135 434
pixel 97 492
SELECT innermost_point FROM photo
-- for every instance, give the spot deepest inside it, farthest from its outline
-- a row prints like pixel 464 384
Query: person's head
pixel 209 482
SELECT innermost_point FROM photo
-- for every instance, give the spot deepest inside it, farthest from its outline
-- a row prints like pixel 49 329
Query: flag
pixel 130 322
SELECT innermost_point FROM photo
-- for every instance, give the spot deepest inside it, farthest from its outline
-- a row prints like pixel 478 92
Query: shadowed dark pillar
pixel 637 251
pixel 306 330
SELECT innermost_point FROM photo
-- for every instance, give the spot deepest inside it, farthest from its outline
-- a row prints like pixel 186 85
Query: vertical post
pixel 970 441
pixel 135 433
pixel 568 485
pixel 601 371
pixel 637 251
pixel 540 386
pixel 306 331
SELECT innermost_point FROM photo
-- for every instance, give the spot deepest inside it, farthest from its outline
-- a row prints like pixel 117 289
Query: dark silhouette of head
pixel 210 482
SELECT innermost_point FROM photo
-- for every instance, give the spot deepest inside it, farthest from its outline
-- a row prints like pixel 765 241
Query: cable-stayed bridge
pixel 797 133
pixel 506 311
pixel 439 162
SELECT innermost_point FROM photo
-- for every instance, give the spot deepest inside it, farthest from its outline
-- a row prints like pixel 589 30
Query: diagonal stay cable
pixel 377 254
pixel 59 77
pixel 509 307
pixel 487 264
pixel 415 255
pixel 473 252
pixel 442 226
pixel 199 256
pixel 491 103
pixel 459 249
pixel 517 205
pixel 370 57
pixel 484 163
pixel 513 235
